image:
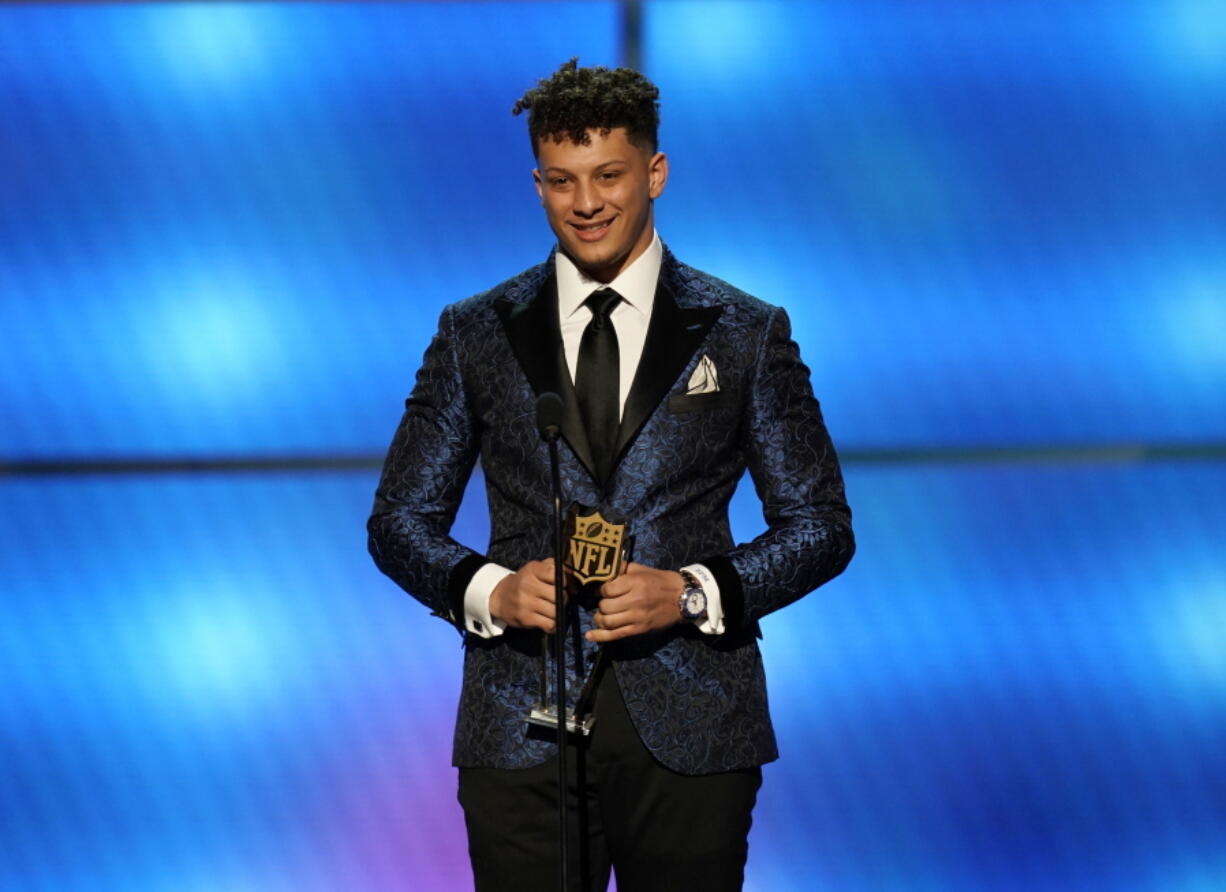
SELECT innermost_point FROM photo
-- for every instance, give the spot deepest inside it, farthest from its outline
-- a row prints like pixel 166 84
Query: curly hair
pixel 575 100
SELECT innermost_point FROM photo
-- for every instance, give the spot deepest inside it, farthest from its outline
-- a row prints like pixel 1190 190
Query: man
pixel 674 383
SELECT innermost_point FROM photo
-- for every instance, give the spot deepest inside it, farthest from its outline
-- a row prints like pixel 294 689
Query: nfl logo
pixel 594 546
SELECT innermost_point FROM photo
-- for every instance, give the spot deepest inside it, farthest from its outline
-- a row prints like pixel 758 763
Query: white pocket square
pixel 705 379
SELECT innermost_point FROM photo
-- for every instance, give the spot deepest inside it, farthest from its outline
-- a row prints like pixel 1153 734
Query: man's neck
pixel 636 283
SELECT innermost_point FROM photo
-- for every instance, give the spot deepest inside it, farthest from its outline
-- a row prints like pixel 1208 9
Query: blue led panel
pixel 1019 684
pixel 230 227
pixel 992 222
pixel 206 685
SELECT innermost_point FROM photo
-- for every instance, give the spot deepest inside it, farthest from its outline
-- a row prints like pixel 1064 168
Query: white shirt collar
pixel 636 283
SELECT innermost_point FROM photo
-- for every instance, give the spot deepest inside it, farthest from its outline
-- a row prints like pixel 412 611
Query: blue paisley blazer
pixel 698 702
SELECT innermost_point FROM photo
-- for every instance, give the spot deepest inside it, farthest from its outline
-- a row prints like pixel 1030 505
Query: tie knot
pixel 601 303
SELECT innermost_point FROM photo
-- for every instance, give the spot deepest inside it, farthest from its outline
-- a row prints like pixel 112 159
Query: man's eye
pixel 610 174
pixel 558 181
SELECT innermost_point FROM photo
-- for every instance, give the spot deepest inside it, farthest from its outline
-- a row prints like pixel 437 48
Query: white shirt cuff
pixel 477 618
pixel 714 623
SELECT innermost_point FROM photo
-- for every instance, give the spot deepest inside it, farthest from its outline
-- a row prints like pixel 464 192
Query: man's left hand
pixel 641 600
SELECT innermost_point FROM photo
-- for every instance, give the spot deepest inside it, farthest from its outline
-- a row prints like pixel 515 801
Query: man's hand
pixel 525 598
pixel 641 600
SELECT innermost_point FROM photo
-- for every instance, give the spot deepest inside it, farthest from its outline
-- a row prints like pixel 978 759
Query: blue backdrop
pixel 226 233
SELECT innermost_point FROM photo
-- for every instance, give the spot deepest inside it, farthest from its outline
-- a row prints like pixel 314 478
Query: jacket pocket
pixel 701 402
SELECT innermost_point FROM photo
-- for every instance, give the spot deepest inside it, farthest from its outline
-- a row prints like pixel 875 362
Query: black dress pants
pixel 659 831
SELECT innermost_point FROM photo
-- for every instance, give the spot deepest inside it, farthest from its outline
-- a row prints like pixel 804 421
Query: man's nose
pixel 588 202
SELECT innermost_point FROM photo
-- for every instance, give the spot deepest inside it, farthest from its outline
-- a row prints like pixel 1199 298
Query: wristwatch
pixel 693 600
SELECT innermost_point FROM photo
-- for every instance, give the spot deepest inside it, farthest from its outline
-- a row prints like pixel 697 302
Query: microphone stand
pixel 545 407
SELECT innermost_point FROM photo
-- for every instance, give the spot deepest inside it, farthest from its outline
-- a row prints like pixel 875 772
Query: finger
pixel 543 583
pixel 538 589
pixel 541 615
pixel 542 579
pixel 620 614
pixel 532 621
pixel 542 570
pixel 541 607
pixel 614 607
pixel 601 636
pixel 616 587
pixel 609 623
pixel 526 605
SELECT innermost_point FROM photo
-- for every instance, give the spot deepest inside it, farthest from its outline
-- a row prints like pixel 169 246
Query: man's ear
pixel 657 174
pixel 540 188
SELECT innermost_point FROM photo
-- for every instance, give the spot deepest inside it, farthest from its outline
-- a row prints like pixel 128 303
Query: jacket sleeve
pixel 808 540
pixel 424 476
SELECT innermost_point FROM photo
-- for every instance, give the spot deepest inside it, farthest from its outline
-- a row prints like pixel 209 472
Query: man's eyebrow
pixel 598 167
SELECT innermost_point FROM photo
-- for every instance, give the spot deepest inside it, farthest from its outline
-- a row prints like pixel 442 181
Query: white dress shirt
pixel 637 286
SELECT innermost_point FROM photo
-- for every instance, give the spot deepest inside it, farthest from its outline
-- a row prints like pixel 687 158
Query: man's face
pixel 597 199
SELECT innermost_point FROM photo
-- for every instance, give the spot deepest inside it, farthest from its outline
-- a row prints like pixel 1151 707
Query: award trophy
pixel 597 550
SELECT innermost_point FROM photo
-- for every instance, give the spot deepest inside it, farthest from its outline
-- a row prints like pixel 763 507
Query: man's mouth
pixel 590 232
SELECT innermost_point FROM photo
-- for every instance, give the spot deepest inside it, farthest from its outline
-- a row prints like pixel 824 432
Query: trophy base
pixel 547 717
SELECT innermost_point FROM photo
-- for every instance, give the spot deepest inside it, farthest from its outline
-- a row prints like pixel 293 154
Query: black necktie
pixel 596 380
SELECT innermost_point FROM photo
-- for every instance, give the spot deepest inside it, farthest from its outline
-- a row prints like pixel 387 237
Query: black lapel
pixel 536 340
pixel 673 334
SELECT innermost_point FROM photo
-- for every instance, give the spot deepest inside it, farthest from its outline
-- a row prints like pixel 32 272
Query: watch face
pixel 695 602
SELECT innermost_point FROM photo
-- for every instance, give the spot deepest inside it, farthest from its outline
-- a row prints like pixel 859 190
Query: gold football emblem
pixel 594 546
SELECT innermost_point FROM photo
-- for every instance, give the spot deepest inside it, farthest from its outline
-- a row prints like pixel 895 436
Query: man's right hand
pixel 525 598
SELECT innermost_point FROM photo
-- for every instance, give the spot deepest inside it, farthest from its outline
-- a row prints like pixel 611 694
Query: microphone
pixel 549 415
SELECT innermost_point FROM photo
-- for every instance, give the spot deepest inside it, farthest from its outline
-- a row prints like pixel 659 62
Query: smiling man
pixel 674 383
pixel 598 196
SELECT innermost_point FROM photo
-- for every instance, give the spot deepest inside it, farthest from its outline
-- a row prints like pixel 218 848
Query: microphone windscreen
pixel 549 414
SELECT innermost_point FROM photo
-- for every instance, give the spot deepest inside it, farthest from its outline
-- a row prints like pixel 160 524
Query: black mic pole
pixel 549 420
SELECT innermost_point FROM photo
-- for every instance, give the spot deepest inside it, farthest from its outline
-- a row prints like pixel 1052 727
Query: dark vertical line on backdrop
pixel 632 34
